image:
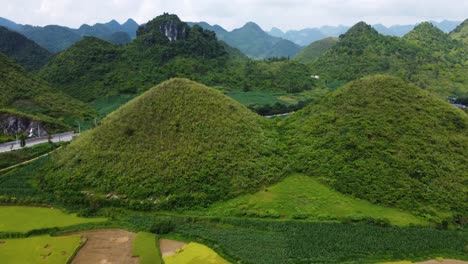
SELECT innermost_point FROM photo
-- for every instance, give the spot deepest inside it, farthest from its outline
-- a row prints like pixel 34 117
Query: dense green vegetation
pixel 179 144
pixel 312 52
pixel 385 141
pixel 27 95
pixel 461 32
pixel 8 159
pixel 92 68
pixel 426 56
pixel 18 218
pixel 22 50
pixel 303 197
pixel 39 250
pixel 257 241
pixel 145 247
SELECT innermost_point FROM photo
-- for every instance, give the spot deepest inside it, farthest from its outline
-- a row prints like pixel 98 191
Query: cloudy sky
pixel 285 14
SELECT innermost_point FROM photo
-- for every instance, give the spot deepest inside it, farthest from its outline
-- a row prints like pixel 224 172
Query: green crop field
pixel 24 219
pixel 194 253
pixel 256 97
pixel 145 247
pixel 303 197
pixel 41 249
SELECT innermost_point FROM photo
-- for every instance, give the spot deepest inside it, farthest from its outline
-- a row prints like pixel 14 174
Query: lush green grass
pixel 8 159
pixel 303 197
pixel 145 247
pixel 386 141
pixel 195 253
pixel 270 242
pixel 38 250
pixel 179 144
pixel 23 219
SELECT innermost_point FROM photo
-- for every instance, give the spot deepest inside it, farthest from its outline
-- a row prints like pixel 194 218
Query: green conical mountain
pixel 25 93
pixel 312 52
pixel 430 38
pixel 179 143
pixel 22 50
pixel 386 141
pixel 461 32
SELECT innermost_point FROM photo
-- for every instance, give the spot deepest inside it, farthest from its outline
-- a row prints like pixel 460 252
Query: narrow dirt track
pixel 113 246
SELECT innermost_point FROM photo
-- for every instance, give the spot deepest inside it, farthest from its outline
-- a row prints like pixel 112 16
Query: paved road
pixel 14 145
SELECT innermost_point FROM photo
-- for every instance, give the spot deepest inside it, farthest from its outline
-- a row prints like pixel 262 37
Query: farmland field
pixel 194 253
pixel 145 247
pixel 24 219
pixel 303 197
pixel 41 249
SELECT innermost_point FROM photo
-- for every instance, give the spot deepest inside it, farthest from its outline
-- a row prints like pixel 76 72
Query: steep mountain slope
pixel 22 50
pixel 164 48
pixel 426 56
pixel 254 42
pixel 461 32
pixel 31 98
pixel 179 144
pixel 312 52
pixel 386 141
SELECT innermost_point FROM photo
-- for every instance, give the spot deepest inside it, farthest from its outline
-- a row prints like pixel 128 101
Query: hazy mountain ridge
pixel 57 38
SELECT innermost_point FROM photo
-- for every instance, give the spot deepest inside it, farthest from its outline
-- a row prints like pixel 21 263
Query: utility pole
pixel 79 127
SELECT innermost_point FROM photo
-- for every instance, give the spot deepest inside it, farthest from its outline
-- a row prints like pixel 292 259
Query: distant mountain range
pixel 57 38
pixel 254 41
pixel 308 35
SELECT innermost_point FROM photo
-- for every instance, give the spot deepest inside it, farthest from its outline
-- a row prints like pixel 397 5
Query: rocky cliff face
pixel 11 124
pixel 165 28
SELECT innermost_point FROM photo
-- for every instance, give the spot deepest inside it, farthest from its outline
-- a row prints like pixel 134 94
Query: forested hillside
pixel 93 68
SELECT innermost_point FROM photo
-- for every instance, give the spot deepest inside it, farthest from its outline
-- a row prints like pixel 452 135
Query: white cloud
pixel 285 14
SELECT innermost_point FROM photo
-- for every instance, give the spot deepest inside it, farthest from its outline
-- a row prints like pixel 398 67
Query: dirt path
pixel 113 246
pixel 169 247
pixel 29 161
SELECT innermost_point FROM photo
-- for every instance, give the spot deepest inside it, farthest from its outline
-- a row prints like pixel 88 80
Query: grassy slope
pixel 180 142
pixel 39 250
pixel 145 247
pixel 11 158
pixel 23 219
pixel 386 141
pixel 316 49
pixel 300 196
pixel 195 253
pixel 27 94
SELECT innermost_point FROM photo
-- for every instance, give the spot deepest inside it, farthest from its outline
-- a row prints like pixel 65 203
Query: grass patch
pixel 23 219
pixel 195 253
pixel 41 249
pixel 303 197
pixel 145 247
